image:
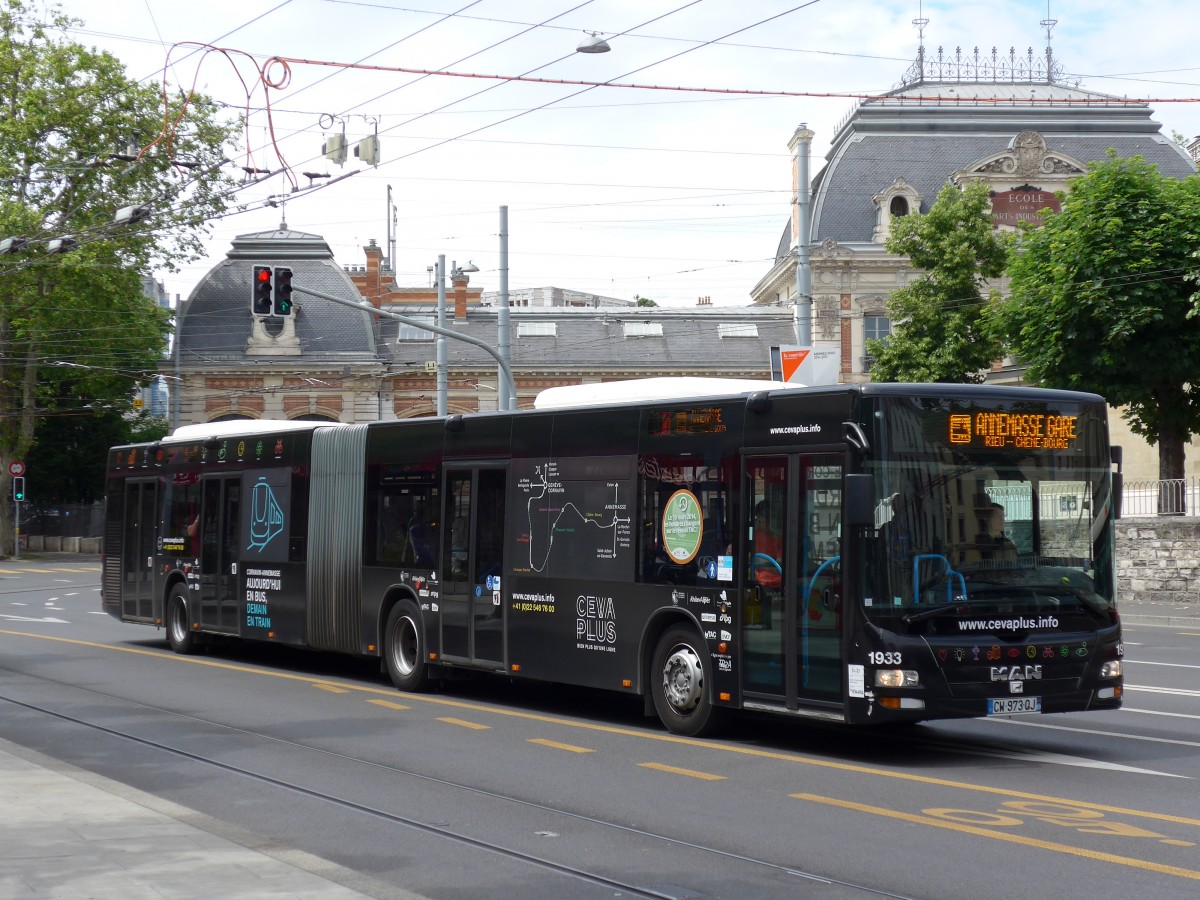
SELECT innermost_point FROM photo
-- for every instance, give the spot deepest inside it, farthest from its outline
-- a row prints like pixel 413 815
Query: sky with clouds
pixel 619 191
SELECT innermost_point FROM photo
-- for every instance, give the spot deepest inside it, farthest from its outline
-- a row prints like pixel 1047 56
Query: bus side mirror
pixel 860 500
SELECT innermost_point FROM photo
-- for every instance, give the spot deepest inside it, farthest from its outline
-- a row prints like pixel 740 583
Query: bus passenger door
pixel 220 527
pixel 140 546
pixel 472 612
pixel 791 614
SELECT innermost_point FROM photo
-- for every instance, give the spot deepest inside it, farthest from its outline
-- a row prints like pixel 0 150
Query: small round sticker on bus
pixel 682 527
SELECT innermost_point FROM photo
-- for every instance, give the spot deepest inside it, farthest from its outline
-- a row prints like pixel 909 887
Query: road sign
pixel 16 467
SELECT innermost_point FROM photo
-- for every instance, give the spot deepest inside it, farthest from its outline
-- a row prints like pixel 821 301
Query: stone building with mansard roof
pixel 1009 121
pixel 327 361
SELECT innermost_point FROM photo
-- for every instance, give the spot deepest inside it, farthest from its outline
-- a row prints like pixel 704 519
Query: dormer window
pixel 899 199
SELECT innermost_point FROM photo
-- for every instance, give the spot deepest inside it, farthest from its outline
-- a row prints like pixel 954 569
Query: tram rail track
pixel 437 831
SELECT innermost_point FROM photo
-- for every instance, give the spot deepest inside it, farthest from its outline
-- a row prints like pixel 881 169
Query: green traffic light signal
pixel 283 292
pixel 19 488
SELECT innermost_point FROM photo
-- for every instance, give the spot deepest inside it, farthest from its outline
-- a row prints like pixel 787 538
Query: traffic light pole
pixel 444 332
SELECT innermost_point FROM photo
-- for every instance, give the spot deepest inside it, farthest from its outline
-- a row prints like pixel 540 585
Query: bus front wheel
pixel 179 629
pixel 404 648
pixel 679 682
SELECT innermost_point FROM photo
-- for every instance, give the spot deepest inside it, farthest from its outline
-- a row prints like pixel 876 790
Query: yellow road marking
pixel 331 688
pixel 690 773
pixel 1004 836
pixel 660 737
pixel 463 723
pixel 388 704
pixel 558 746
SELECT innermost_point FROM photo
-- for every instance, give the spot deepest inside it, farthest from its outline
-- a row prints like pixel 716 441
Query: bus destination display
pixel 1024 431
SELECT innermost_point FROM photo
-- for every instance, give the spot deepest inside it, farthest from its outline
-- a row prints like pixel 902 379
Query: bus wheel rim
pixel 404 647
pixel 179 629
pixel 683 679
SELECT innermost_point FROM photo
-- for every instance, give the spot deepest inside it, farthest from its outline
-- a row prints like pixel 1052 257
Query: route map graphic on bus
pixel 572 516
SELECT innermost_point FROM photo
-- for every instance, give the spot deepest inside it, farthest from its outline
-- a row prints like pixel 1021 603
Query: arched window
pixel 898 199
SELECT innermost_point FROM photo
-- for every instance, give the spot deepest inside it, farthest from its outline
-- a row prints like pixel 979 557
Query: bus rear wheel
pixel 179 627
pixel 404 648
pixel 680 679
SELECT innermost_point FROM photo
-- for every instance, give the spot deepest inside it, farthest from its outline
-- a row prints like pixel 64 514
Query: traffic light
pixel 283 292
pixel 260 291
pixel 19 488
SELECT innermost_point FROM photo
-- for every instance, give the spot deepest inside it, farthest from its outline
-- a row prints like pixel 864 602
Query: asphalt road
pixel 490 789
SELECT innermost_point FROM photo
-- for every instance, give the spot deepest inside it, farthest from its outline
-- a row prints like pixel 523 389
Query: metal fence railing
pixel 1166 497
pixel 68 520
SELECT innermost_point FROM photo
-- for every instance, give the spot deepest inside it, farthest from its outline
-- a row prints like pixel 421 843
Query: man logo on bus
pixel 266 515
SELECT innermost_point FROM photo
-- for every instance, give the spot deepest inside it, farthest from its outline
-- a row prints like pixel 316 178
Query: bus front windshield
pixel 1002 511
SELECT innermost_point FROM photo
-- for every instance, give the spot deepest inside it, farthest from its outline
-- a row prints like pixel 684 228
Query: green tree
pixel 1104 299
pixel 76 331
pixel 938 332
pixel 643 301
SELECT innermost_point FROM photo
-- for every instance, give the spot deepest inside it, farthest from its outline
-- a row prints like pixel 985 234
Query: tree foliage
pixel 1104 299
pixel 80 140
pixel 938 332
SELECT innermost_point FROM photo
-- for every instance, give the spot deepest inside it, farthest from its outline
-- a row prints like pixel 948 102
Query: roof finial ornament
pixel 920 21
pixel 1049 23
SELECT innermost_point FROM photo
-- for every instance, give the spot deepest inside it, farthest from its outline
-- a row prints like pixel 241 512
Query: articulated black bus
pixel 855 553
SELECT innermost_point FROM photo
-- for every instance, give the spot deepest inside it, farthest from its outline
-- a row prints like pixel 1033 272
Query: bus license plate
pixel 1013 706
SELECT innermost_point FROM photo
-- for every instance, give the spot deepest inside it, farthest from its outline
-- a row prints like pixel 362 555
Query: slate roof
pixel 594 340
pixel 215 322
pixel 926 132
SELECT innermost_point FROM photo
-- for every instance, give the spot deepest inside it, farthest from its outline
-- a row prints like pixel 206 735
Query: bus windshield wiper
pixel 934 612
pixel 1079 594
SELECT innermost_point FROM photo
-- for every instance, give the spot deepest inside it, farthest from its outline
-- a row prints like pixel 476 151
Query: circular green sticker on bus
pixel 682 527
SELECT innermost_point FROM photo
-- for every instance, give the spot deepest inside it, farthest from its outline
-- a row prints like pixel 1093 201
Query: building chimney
pixel 460 295
pixel 372 286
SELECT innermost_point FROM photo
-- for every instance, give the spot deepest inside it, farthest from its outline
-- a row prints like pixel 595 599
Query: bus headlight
pixel 897 678
pixel 1111 669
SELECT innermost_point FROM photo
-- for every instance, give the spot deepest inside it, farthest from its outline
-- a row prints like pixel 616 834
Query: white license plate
pixel 1014 706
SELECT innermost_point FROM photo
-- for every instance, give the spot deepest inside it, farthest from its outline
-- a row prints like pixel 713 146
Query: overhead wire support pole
pixel 366 307
pixel 443 379
pixel 503 337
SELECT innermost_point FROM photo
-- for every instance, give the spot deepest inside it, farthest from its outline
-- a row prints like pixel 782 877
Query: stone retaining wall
pixel 1158 559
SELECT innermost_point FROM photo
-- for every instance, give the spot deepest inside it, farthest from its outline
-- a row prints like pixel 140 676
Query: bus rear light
pixel 897 678
pixel 725 696
pixel 1111 669
pixel 626 683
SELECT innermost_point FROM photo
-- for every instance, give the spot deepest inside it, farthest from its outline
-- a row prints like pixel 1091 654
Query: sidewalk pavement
pixel 69 834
